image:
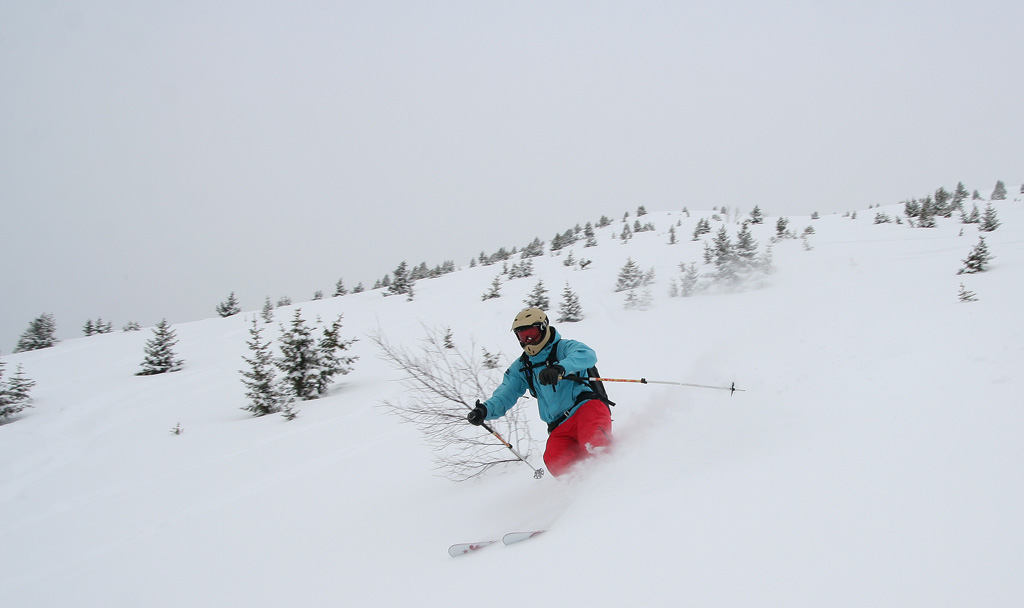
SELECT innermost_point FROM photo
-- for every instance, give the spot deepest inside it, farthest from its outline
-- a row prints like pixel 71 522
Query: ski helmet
pixel 532 330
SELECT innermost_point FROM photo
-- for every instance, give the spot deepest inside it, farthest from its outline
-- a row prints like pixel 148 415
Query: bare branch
pixel 443 382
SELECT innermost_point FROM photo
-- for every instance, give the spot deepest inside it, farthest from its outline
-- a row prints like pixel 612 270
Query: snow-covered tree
pixel 494 291
pixel 781 225
pixel 160 357
pixel 132 326
pixel 746 249
pixel 943 205
pixel 538 298
pixel 723 256
pixel 99 326
pixel 966 295
pixel 688 282
pixel 756 217
pixel 703 227
pixel 401 282
pixel 960 195
pixel 332 362
pixel 300 360
pixel 626 234
pixel 630 276
pixel 926 214
pixel 569 309
pixel 999 193
pixel 974 217
pixel 588 232
pixel 14 395
pixel 339 288
pixel 267 314
pixel 534 250
pixel 40 334
pixel 229 307
pixel 265 394
pixel 989 221
pixel 978 259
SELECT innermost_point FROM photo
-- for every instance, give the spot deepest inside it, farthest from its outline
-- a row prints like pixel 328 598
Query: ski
pixel 509 539
pixel 464 548
pixel 517 537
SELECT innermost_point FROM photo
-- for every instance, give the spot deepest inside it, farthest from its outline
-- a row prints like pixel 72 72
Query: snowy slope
pixel 874 458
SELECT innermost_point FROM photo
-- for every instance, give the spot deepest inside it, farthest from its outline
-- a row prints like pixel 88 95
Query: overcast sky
pixel 155 156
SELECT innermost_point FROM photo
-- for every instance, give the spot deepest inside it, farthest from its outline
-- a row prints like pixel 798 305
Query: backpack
pixel 597 390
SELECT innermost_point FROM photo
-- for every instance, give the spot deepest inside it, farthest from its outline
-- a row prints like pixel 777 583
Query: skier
pixel 579 419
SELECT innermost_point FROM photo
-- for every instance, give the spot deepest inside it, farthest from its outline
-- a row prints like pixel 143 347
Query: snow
pixel 873 459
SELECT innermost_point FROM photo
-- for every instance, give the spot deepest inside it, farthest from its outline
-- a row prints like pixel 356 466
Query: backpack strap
pixel 528 366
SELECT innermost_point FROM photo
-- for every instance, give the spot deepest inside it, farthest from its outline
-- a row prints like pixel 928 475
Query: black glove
pixel 477 414
pixel 551 374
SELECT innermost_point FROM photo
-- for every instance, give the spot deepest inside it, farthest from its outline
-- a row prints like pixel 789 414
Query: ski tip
pixel 464 548
pixel 515 537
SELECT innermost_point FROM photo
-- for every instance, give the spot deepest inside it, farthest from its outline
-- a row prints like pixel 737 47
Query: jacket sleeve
pixel 513 386
pixel 577 357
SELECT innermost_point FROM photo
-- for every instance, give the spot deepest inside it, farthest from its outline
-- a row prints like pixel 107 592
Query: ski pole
pixel 537 473
pixel 732 389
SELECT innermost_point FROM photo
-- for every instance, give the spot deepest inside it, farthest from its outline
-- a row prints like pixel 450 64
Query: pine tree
pixel 977 259
pixel 14 395
pixel 703 227
pixel 534 250
pixel 495 290
pixel 974 217
pixel 627 233
pixel 401 281
pixel 781 225
pixel 263 391
pixel 40 334
pixel 630 276
pixel 569 310
pixel 160 356
pixel 999 194
pixel 943 203
pixel 300 359
pixel 331 361
pixel 756 217
pixel 88 329
pixel 267 313
pixel 688 282
pixel 672 235
pixel 339 288
pixel 538 298
pixel 959 196
pixel 588 231
pixel 926 216
pixel 966 295
pixel 746 248
pixel 723 255
pixel 990 220
pixel 229 307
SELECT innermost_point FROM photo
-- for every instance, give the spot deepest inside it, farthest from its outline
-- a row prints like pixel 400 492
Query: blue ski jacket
pixel 554 402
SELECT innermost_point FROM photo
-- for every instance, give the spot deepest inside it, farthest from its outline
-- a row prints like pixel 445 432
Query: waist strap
pixel 580 400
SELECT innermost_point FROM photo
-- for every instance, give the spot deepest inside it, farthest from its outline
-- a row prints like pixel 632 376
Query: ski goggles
pixel 531 334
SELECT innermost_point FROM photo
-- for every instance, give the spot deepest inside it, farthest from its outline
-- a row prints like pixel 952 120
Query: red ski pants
pixel 575 439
